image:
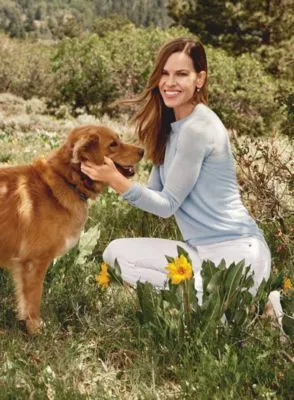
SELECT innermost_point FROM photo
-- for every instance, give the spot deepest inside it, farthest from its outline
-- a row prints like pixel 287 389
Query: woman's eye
pixel 183 74
pixel 164 73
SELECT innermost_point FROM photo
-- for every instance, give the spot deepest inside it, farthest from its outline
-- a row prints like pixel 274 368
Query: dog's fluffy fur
pixel 43 208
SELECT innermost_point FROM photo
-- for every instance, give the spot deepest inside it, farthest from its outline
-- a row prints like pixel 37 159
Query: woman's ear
pixel 200 80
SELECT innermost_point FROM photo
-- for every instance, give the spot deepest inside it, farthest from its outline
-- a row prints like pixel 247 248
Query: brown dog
pixel 43 208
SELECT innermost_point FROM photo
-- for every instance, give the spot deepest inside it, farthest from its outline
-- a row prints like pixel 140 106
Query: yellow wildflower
pixel 103 277
pixel 287 284
pixel 179 270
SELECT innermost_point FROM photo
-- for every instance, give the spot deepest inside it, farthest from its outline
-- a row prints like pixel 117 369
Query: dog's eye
pixel 113 144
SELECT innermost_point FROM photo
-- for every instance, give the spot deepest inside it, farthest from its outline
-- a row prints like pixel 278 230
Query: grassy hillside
pixel 93 344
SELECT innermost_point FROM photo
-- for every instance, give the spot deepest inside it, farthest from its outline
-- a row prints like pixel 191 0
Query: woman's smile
pixel 171 93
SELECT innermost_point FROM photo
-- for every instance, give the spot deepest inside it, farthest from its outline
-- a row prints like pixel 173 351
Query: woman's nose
pixel 170 80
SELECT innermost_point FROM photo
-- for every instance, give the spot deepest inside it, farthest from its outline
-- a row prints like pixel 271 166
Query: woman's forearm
pixel 120 184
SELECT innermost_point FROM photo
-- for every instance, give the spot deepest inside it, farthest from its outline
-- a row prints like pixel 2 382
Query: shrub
pixel 266 177
pixel 93 72
pixel 242 94
pixel 133 51
pixel 80 73
pixel 101 26
pixel 265 172
pixel 25 68
pixel 287 101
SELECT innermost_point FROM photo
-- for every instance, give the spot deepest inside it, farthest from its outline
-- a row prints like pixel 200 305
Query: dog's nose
pixel 141 152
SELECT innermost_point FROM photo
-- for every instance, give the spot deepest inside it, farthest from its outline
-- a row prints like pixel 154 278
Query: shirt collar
pixel 176 125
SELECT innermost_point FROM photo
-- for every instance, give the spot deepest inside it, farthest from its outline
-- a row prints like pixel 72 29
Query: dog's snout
pixel 141 152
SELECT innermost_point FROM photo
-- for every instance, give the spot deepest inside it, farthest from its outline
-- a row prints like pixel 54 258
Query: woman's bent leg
pixel 143 259
pixel 253 250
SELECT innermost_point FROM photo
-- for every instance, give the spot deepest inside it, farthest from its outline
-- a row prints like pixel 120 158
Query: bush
pixel 101 26
pixel 242 94
pixel 93 71
pixel 25 68
pixel 266 175
pixel 80 73
pixel 133 51
pixel 287 101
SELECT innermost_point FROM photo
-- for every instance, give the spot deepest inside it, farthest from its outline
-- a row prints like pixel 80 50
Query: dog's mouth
pixel 126 170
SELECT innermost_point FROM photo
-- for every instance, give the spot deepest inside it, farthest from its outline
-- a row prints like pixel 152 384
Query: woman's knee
pixel 261 262
pixel 112 251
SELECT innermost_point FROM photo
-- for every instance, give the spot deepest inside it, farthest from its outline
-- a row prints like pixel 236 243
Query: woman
pixel 193 176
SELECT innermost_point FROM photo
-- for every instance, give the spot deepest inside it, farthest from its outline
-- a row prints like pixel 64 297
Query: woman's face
pixel 178 83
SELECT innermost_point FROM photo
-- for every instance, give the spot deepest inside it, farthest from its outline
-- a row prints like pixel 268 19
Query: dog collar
pixel 82 195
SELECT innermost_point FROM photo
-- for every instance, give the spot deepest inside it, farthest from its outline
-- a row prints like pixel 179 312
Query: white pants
pixel 143 259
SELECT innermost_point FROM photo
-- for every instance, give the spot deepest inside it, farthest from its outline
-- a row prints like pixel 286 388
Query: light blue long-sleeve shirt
pixel 197 183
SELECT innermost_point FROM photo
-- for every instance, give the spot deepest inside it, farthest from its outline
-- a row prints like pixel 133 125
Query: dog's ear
pixel 87 148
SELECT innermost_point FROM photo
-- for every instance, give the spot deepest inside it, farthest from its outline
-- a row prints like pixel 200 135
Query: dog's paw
pixel 33 326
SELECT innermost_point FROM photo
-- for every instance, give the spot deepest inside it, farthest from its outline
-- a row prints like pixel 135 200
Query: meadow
pixel 94 343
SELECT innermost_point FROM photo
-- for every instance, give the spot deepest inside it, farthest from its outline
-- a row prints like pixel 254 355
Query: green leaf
pixel 87 243
pixel 169 259
pixel 149 301
pixel 214 281
pixel 233 278
pixel 183 252
pixel 192 294
pixel 240 316
pixel 207 270
pixel 222 264
pixel 288 326
pixel 287 302
pixel 117 266
pixel 277 281
pixel 172 298
pixel 211 312
pixel 115 274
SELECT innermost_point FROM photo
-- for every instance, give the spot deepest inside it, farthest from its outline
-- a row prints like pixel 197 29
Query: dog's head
pixel 92 143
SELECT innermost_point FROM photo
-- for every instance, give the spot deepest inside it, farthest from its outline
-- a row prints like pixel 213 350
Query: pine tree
pixel 237 25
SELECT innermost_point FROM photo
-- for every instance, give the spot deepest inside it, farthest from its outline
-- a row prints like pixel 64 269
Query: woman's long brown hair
pixel 153 119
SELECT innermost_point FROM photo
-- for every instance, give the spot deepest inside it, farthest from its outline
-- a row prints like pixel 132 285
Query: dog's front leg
pixel 29 277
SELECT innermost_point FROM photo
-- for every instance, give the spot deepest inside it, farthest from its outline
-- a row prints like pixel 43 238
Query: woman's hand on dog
pixel 107 173
pixel 101 173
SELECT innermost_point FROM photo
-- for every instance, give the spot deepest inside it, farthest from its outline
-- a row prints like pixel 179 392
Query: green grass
pixel 93 347
pixel 92 344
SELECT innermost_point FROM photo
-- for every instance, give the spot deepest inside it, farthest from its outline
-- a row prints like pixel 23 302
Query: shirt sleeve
pixel 154 181
pixel 192 148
